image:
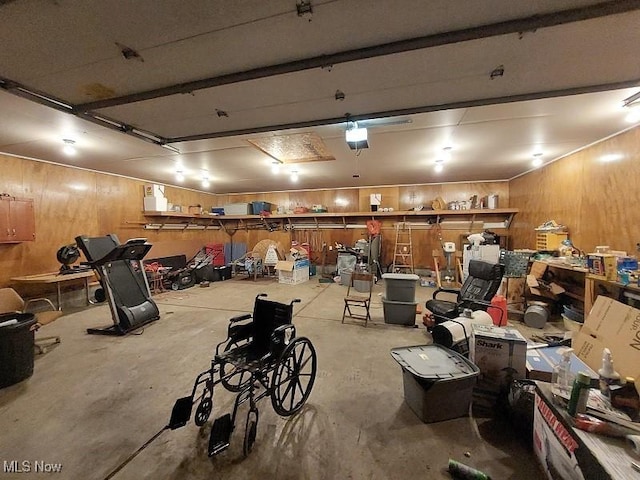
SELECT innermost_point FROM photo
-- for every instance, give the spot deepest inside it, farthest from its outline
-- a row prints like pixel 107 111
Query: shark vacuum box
pixel 501 355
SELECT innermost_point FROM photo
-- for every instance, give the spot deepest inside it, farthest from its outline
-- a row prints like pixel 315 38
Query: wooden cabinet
pixel 17 220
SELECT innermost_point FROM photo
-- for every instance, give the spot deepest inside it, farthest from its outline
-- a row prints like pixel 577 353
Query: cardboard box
pixel 616 326
pixel 534 287
pixel 155 204
pixel 541 361
pixel 293 272
pixel 568 453
pixel 153 190
pixel 500 354
pixel 603 266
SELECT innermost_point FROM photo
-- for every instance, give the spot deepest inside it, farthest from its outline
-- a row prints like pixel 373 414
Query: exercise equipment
pixel 261 357
pixel 124 284
pixel 68 255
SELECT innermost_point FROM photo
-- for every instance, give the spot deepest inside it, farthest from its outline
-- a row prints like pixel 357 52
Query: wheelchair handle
pixel 239 318
pixel 295 300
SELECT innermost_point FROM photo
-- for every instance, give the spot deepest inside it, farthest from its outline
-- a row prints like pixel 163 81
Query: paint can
pixel 536 315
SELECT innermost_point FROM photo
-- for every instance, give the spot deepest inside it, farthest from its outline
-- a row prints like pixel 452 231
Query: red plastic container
pixel 217 250
pixel 498 310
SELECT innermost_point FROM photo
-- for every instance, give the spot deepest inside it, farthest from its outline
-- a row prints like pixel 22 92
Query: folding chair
pixel 359 301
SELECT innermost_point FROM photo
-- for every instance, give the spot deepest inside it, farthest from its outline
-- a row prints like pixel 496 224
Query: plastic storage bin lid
pixel 434 362
pixel 400 276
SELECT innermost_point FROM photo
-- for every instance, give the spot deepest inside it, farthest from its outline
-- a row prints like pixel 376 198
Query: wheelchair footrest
pixel 220 435
pixel 181 412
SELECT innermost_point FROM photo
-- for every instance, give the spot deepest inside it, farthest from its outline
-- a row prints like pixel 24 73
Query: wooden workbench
pixel 57 279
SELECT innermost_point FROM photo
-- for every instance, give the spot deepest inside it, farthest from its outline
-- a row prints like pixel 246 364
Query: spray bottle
pixel 561 376
pixel 608 376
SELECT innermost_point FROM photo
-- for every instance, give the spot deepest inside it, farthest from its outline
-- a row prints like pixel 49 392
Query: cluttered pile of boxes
pixel 589 390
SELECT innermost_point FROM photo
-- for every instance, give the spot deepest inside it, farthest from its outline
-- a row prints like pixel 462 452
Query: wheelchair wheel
pixel 238 378
pixel 250 432
pixel 203 411
pixel 293 377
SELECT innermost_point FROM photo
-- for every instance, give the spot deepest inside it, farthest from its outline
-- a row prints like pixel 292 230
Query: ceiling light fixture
pixel 179 176
pixel 294 176
pixel 634 115
pixel 275 167
pixel 356 137
pixel 439 165
pixel 537 159
pixel 205 179
pixel 69 148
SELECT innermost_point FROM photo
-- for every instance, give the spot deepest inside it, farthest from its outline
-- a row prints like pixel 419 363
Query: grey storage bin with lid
pixel 399 313
pixel 438 382
pixel 400 287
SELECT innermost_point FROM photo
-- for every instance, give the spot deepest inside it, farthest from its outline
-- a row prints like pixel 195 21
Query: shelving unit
pixel 454 219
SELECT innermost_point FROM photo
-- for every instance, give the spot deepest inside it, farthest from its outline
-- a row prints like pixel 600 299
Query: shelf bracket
pixel 508 221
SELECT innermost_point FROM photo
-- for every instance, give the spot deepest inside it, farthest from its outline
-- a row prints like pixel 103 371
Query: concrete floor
pixel 93 401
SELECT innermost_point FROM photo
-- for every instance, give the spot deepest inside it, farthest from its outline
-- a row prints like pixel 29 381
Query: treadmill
pixel 121 273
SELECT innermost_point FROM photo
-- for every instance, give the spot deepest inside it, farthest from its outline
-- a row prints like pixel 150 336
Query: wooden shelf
pixel 470 217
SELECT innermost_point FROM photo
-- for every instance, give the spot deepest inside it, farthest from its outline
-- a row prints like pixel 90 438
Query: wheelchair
pixel 261 357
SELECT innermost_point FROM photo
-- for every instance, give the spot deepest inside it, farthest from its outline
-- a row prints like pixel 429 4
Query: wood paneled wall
pixel 70 202
pixel 357 200
pixel 598 200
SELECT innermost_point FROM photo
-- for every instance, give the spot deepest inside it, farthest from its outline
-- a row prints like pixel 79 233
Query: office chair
pixel 476 292
pixel 10 301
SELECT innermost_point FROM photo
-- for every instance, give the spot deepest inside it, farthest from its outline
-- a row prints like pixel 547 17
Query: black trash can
pixel 16 348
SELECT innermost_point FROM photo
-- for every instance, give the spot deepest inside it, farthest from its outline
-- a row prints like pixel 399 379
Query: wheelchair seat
pixel 250 346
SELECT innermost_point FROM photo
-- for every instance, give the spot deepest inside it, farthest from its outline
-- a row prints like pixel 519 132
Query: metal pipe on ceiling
pixel 428 41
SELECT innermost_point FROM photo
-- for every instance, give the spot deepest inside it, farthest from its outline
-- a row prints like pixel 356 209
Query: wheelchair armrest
pixel 239 318
pixel 279 338
pixel 295 300
pixel 445 290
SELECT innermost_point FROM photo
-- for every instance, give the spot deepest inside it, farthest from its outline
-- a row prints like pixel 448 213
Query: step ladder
pixel 403 250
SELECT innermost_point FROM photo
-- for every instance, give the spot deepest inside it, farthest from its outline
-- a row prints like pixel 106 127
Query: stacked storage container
pixel 258 207
pixel 399 302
